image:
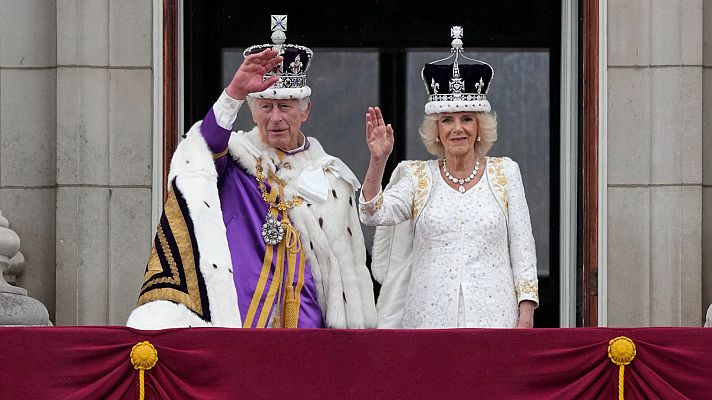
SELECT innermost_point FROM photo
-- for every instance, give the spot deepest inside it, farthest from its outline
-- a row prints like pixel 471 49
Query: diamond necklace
pixel 463 181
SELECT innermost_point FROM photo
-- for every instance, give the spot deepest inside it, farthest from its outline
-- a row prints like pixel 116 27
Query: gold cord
pixel 288 312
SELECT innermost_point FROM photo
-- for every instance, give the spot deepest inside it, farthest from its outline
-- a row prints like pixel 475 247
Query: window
pixel 371 54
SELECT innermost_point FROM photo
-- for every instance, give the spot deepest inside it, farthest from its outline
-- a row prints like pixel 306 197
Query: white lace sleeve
pixel 392 206
pixel 522 250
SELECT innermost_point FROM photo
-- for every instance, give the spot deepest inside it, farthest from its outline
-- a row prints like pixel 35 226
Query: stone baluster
pixel 16 308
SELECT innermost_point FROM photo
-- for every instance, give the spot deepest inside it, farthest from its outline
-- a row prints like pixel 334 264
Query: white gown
pixel 462 272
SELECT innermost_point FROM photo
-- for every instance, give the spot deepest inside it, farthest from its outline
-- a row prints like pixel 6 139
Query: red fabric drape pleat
pixel 215 363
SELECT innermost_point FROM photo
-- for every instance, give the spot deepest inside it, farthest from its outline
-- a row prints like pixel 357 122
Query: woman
pixel 454 247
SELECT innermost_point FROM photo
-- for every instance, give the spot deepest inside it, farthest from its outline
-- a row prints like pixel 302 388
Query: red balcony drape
pixel 214 363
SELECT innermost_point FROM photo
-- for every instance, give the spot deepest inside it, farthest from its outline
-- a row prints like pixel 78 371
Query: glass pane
pixel 344 84
pixel 519 95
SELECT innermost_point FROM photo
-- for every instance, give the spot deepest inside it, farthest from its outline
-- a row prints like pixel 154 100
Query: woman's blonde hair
pixel 486 129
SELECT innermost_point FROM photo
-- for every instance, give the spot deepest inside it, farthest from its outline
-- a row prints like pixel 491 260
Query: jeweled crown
pixel 458 85
pixel 292 71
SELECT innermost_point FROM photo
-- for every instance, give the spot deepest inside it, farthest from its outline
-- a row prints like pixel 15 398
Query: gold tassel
pixel 621 351
pixel 290 309
pixel 143 357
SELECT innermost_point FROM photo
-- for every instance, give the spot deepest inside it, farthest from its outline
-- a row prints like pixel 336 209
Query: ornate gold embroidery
pixel 372 208
pixel 418 170
pixel 528 287
pixel 500 180
pixel 176 279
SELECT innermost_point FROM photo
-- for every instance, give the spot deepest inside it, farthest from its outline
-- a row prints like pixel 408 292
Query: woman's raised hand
pixel 248 78
pixel 379 136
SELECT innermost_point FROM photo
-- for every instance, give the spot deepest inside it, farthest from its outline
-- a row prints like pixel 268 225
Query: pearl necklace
pixel 462 182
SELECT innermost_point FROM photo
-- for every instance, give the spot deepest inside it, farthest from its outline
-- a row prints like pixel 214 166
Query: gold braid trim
pixel 220 154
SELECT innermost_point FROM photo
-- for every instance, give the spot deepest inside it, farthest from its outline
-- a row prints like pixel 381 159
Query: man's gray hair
pixel 303 103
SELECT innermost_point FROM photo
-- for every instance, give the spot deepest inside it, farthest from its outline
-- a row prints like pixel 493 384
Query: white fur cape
pixel 328 224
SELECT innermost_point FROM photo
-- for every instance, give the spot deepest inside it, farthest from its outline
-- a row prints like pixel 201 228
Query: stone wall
pixel 654 162
pixel 28 125
pixel 76 95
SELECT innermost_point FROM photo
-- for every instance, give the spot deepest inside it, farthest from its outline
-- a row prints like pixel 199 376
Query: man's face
pixel 279 122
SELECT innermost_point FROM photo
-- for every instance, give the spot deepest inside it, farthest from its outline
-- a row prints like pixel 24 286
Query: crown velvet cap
pixel 457 83
pixel 292 72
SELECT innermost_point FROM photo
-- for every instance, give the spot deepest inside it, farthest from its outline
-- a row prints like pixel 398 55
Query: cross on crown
pixel 279 23
pixel 456 32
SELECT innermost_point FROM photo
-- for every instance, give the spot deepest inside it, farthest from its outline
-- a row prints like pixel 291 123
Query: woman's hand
pixel 526 314
pixel 379 136
pixel 249 77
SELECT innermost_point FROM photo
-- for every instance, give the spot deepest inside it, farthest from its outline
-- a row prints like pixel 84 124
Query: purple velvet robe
pixel 254 267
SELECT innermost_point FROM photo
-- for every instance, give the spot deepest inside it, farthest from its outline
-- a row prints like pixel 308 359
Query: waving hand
pixel 379 136
pixel 248 78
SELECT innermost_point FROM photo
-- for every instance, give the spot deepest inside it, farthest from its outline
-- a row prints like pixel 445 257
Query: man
pixel 267 210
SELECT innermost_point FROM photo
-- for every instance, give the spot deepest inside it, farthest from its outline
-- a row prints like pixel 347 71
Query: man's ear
pixel 305 114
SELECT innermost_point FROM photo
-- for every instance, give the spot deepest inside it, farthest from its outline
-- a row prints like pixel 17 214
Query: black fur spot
pixel 334 193
pixel 321 222
pixel 308 204
pixel 215 266
pixel 230 270
pixel 351 201
pixel 311 245
pixel 206 203
pixel 349 229
pixel 185 135
pixel 344 294
pixel 274 91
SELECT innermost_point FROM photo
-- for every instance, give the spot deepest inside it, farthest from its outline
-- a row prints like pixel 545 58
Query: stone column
pixel 104 157
pixel 654 148
pixel 16 308
pixel 707 160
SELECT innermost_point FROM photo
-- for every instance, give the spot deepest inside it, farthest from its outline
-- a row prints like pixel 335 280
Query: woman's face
pixel 457 132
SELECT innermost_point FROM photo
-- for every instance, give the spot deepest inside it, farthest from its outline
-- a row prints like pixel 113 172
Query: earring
pixel 437 139
pixel 479 138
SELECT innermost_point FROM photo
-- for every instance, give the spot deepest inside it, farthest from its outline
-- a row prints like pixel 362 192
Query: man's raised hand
pixel 249 76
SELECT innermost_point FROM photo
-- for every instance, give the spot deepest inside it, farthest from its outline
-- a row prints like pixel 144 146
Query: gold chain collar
pixel 282 205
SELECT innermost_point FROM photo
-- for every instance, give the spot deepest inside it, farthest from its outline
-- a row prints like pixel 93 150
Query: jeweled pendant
pixel 461 189
pixel 272 230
